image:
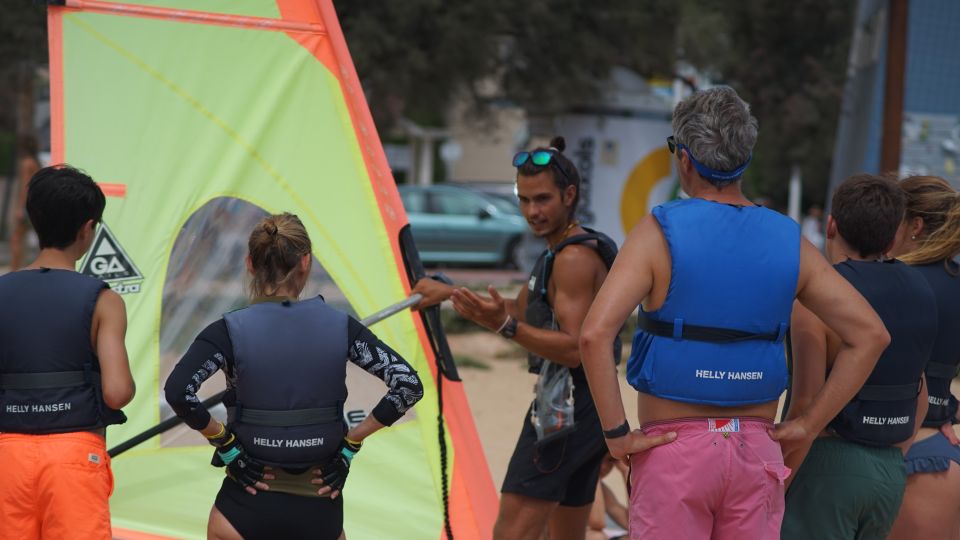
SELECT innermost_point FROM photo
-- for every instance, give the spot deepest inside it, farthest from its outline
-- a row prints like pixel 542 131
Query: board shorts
pixel 931 455
pixel 565 470
pixel 55 486
pixel 845 490
pixel 722 478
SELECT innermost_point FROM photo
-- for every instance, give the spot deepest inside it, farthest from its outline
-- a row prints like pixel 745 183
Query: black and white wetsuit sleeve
pixel 376 358
pixel 209 353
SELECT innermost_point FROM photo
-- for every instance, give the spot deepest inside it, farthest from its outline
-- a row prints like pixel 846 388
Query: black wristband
pixel 618 431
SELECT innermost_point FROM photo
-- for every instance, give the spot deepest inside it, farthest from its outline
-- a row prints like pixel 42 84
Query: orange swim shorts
pixel 54 486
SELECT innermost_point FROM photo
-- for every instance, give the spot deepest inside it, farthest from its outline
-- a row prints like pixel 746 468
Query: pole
pixel 893 86
pixel 793 202
pixel 215 400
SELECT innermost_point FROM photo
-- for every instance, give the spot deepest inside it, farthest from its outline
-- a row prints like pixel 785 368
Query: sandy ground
pixel 500 390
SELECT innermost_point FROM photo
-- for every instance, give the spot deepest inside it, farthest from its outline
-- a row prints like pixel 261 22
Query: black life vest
pixel 883 412
pixel 49 371
pixel 539 313
pixel 945 357
pixel 290 362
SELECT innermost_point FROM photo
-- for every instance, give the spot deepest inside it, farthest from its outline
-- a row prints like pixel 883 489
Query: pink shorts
pixel 721 478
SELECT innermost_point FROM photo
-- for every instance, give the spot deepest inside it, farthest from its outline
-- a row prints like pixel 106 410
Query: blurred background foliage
pixel 415 57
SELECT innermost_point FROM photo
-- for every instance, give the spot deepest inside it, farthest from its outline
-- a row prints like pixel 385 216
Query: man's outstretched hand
pixel 489 312
pixel 433 291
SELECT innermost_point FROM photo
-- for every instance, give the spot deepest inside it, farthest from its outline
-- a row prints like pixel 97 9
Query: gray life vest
pixel 290 362
pixel 49 371
pixel 883 412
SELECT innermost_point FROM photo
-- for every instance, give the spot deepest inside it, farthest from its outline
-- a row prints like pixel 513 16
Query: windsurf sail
pixel 198 118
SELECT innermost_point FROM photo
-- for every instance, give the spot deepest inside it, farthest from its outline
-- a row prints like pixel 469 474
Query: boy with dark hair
pixel 852 479
pixel 64 372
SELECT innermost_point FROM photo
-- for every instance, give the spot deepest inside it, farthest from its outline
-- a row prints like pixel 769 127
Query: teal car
pixel 455 225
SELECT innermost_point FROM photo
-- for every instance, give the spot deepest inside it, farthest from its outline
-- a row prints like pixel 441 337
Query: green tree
pixel 23 46
pixel 414 57
pixel 788 60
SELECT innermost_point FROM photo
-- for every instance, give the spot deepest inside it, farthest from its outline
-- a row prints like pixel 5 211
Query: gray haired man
pixel 716 277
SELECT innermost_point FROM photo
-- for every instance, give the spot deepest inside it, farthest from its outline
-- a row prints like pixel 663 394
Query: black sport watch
pixel 510 329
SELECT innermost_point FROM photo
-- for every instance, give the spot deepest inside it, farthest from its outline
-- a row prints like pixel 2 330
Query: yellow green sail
pixel 198 117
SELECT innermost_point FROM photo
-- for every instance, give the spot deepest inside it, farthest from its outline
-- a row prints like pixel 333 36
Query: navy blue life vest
pixel 883 412
pixel 942 367
pixel 539 313
pixel 290 366
pixel 49 372
pixel 718 338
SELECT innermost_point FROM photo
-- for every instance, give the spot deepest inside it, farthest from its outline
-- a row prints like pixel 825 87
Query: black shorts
pixel 279 515
pixel 564 470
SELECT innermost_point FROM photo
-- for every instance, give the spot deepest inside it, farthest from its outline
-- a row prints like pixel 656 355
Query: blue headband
pixel 712 174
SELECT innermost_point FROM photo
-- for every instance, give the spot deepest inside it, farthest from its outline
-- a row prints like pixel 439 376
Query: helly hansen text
pixel 729 375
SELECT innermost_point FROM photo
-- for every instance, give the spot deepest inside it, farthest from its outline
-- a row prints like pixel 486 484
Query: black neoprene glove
pixel 335 472
pixel 241 467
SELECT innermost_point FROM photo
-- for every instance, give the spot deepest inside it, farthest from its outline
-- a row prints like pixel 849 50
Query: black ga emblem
pixel 108 261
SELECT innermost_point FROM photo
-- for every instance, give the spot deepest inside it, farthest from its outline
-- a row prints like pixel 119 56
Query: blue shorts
pixel 931 455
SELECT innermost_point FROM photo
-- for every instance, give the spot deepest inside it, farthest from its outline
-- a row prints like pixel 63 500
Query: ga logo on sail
pixel 108 261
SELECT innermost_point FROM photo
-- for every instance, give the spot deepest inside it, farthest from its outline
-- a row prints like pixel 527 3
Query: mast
pixel 893 88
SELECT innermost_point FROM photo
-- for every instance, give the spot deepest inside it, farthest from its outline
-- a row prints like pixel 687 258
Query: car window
pixel 413 201
pixel 506 203
pixel 461 204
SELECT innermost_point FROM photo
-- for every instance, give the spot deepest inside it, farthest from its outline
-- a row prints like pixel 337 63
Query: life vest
pixel 718 338
pixel 539 313
pixel 49 371
pixel 290 362
pixel 883 411
pixel 942 367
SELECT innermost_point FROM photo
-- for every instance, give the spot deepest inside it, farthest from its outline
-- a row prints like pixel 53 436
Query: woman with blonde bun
pixel 929 239
pixel 285 447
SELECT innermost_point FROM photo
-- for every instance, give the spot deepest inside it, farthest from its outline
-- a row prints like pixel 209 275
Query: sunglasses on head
pixel 540 158
pixel 672 144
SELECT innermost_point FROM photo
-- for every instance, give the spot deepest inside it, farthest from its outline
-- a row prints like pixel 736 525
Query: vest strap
pixel 937 370
pixel 296 417
pixel 889 392
pixel 678 329
pixel 36 381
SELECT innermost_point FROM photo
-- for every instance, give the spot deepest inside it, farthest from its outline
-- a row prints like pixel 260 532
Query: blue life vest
pixel 718 338
pixel 883 412
pixel 942 367
pixel 49 371
pixel 290 366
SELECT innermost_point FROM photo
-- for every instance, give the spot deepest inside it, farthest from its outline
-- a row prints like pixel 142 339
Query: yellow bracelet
pixel 355 443
pixel 223 430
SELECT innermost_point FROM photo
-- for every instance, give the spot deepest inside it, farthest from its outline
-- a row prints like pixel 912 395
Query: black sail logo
pixel 108 261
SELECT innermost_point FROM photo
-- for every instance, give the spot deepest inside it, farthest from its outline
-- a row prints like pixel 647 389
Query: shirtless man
pixel 552 476
pixel 716 277
pixel 64 372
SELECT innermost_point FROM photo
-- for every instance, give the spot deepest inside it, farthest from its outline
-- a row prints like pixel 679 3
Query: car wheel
pixel 514 255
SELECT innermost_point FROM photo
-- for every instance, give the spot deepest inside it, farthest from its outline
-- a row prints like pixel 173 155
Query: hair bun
pixel 558 143
pixel 270 228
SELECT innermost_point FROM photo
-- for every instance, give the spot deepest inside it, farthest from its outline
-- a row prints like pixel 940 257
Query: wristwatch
pixel 509 328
